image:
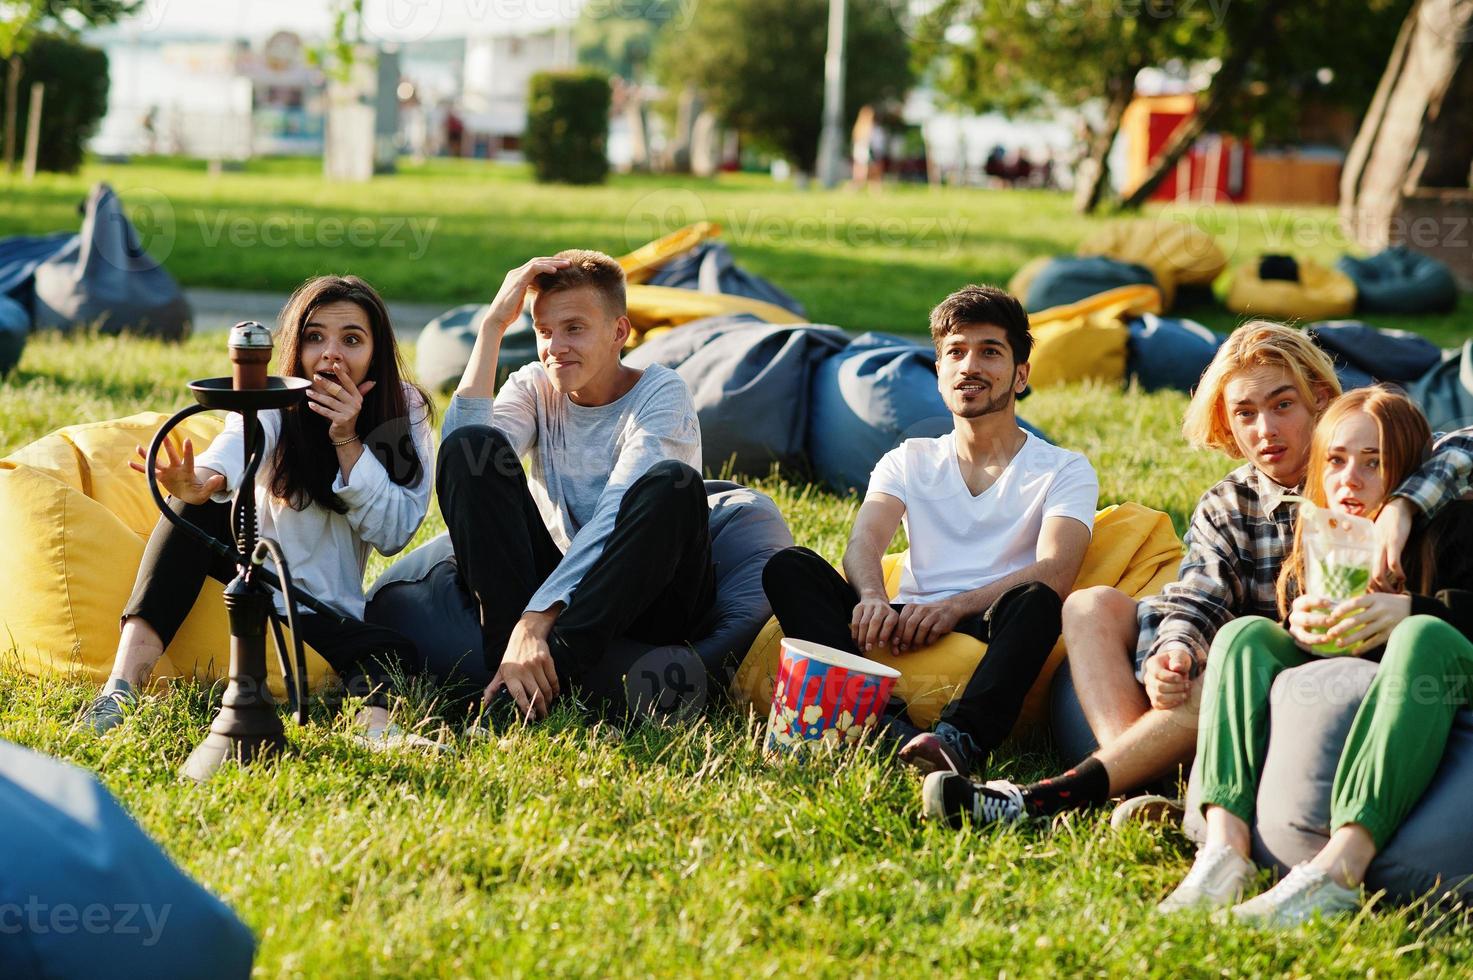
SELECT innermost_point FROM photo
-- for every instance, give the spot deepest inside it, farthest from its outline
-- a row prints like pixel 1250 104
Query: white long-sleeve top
pixel 328 552
pixel 585 457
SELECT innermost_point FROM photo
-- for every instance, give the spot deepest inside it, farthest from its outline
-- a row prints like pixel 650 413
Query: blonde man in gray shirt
pixel 606 534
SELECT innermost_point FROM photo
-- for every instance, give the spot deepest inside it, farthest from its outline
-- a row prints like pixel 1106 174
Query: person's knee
pixel 1039 603
pixel 1424 644
pixel 784 568
pixel 474 451
pixel 1244 638
pixel 1099 609
pixel 670 479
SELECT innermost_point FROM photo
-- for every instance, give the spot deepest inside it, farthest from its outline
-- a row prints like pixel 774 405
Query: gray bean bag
pixel 750 383
pixel 106 278
pixel 444 347
pixel 1071 278
pixel 421 597
pixel 1313 705
pixel 1445 393
pixel 1071 732
pixel 85 893
pixel 15 327
pixel 1399 280
pixel 1386 355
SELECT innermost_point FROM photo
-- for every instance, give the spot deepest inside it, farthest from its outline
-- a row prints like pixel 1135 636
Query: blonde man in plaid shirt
pixel 1136 665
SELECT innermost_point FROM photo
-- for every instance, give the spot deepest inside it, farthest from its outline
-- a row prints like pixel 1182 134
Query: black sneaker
pixel 956 799
pixel 109 708
pixel 945 748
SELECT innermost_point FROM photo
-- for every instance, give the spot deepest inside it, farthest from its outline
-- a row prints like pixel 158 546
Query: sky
pixel 388 20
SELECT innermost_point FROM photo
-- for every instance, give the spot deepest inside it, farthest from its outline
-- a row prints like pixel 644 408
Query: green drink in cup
pixel 1339 550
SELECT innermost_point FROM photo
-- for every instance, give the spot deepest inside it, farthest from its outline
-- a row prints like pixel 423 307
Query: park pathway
pixel 219 309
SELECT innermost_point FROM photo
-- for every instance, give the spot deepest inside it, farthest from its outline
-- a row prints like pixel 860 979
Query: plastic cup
pixel 825 697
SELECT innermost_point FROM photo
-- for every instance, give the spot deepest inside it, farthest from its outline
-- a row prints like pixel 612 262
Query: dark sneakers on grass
pixel 109 708
pixel 945 748
pixel 956 800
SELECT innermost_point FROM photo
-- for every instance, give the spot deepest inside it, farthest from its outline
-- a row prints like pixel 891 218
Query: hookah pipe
pixel 247 726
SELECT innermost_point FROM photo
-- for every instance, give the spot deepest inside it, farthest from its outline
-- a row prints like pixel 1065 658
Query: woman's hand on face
pixel 1365 622
pixel 340 402
pixel 1308 614
pixel 179 476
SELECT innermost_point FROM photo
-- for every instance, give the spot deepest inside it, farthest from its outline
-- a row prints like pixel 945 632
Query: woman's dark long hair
pixel 305 463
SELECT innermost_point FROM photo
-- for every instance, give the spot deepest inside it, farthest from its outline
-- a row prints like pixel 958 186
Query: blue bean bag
pixel 1386 355
pixel 15 327
pixel 1399 280
pixel 1312 708
pixel 710 268
pixel 866 399
pixel 1071 278
pixel 421 596
pixel 85 893
pixel 1169 353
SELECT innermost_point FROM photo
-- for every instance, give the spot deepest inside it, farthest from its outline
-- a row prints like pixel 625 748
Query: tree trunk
pixel 1094 170
pixel 12 98
pixel 1224 86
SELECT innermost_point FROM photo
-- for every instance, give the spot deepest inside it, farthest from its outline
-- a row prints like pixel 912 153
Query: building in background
pixel 499 66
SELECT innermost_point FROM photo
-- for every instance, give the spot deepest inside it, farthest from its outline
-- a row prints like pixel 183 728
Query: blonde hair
pixel 1258 343
pixel 1406 442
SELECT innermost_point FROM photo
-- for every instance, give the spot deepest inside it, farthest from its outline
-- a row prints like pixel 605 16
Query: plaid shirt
pixel 1240 532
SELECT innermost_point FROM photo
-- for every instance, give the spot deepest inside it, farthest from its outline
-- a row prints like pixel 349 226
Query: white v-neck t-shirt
pixel 960 542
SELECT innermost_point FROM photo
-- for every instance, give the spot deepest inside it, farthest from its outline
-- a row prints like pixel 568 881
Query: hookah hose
pixel 250 565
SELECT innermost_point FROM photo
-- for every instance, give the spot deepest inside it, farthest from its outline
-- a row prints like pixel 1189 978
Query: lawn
pixel 570 850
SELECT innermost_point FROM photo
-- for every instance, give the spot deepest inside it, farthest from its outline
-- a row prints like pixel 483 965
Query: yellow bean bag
pixel 666 306
pixel 1173 249
pixel 646 260
pixel 1134 549
pixel 1321 293
pixel 1087 339
pixel 74 518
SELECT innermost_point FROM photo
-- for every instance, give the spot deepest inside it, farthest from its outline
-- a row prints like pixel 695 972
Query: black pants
pixel 654 581
pixel 173 571
pixel 812 601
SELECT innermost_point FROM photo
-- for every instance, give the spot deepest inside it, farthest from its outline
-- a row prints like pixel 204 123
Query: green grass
pixel 570 850
pixel 859 260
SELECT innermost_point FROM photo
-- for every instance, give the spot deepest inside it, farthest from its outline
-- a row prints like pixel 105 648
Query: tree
pixel 758 64
pixel 22 20
pixel 618 40
pixel 1044 55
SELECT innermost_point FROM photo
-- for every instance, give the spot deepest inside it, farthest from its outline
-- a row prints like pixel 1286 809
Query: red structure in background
pixel 1214 170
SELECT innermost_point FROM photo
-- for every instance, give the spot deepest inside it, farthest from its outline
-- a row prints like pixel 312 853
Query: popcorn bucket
pixel 824 696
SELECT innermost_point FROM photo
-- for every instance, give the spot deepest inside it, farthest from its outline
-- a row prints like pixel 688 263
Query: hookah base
pixel 219 748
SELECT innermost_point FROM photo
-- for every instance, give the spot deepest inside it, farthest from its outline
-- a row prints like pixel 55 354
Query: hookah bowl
pixel 247 726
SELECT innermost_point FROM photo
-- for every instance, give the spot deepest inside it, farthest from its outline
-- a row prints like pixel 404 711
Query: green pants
pixel 1395 742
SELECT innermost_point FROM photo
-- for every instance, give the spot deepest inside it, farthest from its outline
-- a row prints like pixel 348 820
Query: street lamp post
pixel 831 142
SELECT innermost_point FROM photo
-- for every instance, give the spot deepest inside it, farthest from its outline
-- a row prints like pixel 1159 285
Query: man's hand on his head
pixel 512 295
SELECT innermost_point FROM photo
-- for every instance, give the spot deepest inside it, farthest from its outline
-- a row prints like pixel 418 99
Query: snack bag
pixel 1339 551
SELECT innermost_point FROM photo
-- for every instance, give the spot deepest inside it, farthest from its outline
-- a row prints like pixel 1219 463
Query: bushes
pixel 568 127
pixel 75 75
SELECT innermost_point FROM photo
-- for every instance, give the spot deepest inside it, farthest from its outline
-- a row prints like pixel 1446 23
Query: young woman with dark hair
pixel 1366 443
pixel 346 470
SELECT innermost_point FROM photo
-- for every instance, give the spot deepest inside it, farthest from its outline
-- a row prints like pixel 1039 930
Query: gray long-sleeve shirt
pixel 584 458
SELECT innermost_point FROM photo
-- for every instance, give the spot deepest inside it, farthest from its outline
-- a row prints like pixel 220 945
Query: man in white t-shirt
pixel 998 522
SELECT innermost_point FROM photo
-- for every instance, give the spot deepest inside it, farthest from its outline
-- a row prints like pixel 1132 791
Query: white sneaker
pixel 1147 809
pixel 1218 878
pixel 392 738
pixel 1305 892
